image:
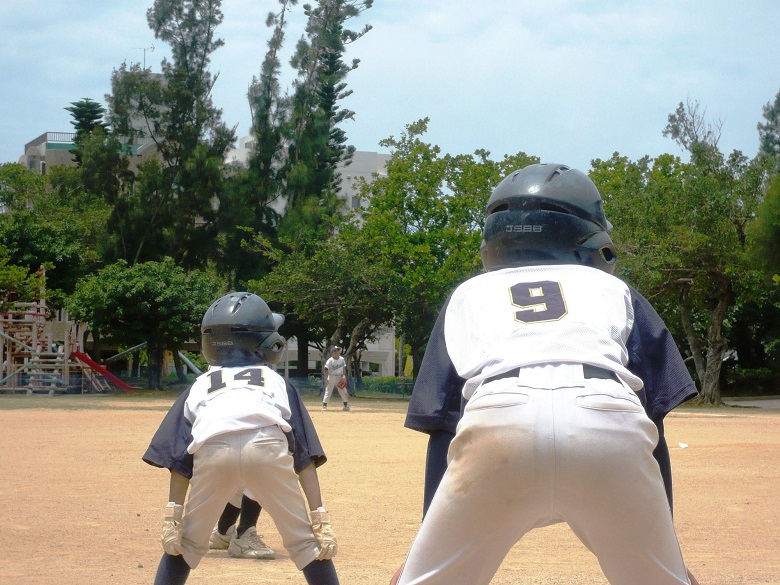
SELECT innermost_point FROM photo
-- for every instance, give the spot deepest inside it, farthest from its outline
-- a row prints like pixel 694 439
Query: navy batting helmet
pixel 546 214
pixel 239 329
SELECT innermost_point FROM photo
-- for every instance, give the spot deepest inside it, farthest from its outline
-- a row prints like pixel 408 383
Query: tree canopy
pixel 158 303
pixel 87 118
pixel 169 211
pixel 681 231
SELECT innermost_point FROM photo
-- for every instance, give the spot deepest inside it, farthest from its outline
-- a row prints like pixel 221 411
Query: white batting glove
pixel 171 528
pixel 320 524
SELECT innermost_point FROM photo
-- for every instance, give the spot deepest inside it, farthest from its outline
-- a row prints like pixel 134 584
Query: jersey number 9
pixel 538 301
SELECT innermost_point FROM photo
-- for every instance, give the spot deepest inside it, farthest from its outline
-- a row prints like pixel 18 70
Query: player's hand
pixel 396 575
pixel 320 524
pixel 691 578
pixel 171 529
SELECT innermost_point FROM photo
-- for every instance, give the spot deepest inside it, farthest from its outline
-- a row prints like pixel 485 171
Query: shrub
pixel 751 382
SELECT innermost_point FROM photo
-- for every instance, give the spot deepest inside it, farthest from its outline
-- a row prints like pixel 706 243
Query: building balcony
pixel 49 139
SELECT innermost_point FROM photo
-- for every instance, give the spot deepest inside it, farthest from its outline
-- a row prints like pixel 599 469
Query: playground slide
pixel 101 370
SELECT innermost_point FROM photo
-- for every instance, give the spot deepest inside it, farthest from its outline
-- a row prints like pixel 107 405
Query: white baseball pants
pixel 330 385
pixel 550 446
pixel 259 461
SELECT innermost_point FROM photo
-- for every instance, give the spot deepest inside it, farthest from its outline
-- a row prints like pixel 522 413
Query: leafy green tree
pixel 53 228
pixel 298 138
pixel 681 231
pixel 16 282
pixel 245 210
pixel 153 302
pixel 423 226
pixel 395 261
pixel 19 187
pixel 97 193
pixel 314 142
pixel 243 215
pixel 753 331
pixel 764 233
pixel 338 291
pixel 171 210
pixel 769 131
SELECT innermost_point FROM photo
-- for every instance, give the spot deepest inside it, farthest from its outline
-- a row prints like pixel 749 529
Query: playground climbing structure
pixel 40 351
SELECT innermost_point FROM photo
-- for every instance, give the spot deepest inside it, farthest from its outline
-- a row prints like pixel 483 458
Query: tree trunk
pixel 356 371
pixel 357 336
pixel 708 362
pixel 417 355
pixel 96 345
pixel 302 368
pixel 690 334
pixel 136 368
pixel 716 347
pixel 180 373
pixel 154 367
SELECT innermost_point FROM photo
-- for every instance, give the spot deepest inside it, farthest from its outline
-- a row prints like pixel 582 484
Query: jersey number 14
pixel 249 377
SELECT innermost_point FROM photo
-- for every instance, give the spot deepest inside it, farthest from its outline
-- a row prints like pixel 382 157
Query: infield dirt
pixel 78 506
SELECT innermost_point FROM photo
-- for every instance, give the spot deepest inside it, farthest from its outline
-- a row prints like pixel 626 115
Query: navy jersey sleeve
pixel 435 404
pixel 653 356
pixel 305 443
pixel 169 444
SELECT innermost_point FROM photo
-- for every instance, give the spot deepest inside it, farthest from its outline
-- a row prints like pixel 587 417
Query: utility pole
pixel 144 49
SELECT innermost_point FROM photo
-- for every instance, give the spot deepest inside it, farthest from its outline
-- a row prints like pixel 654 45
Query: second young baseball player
pixel 566 373
pixel 336 377
pixel 242 540
pixel 238 418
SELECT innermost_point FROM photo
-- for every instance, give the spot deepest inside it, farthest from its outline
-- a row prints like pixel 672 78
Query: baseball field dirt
pixel 78 506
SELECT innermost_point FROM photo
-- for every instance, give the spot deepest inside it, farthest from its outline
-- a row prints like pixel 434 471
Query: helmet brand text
pixel 524 229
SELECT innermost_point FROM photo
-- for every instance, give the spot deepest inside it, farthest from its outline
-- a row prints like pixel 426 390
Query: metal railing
pixel 50 137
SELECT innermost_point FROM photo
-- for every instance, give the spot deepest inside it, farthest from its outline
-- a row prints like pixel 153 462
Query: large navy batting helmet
pixel 546 214
pixel 239 329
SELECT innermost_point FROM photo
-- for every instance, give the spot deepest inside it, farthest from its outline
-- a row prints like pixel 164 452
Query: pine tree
pixel 769 131
pixel 170 211
pixel 87 117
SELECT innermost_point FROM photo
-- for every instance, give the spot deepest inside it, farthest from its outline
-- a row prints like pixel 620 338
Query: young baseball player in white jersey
pixel 239 415
pixel 242 540
pixel 567 374
pixel 336 377
pixel 169 446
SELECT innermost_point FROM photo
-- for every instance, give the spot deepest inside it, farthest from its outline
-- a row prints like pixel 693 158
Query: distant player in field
pixel 238 418
pixel 568 374
pixel 335 377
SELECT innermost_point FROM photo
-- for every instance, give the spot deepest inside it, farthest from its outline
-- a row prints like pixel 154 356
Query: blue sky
pixel 566 80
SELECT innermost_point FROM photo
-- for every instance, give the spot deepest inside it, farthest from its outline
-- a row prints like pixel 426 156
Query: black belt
pixel 588 371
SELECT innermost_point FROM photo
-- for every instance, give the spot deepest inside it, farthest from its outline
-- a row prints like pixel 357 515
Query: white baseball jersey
pixel 537 315
pixel 225 400
pixel 336 366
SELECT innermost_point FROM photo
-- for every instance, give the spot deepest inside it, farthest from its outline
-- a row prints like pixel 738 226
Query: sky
pixel 568 81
